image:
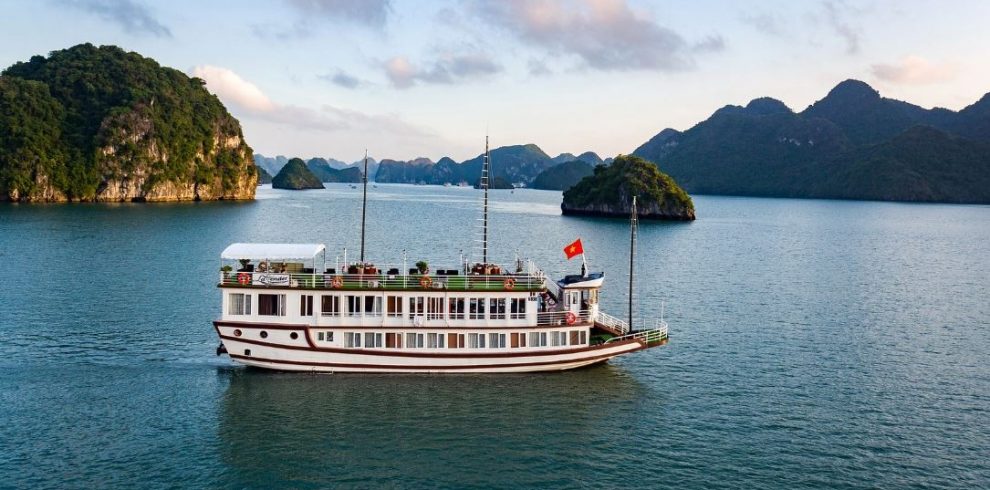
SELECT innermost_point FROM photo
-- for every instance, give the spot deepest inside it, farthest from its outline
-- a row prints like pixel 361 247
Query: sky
pixel 406 79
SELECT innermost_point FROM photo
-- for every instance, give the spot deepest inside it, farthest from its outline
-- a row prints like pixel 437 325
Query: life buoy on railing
pixel 570 318
pixel 243 278
pixel 337 282
pixel 509 283
pixel 426 282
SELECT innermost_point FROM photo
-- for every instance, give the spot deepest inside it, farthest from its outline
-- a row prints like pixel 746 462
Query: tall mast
pixel 364 203
pixel 633 223
pixel 484 184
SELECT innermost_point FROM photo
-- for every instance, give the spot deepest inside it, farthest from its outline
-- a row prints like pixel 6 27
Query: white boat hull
pixel 307 358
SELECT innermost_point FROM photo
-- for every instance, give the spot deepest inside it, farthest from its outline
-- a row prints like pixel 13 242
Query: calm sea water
pixel 813 344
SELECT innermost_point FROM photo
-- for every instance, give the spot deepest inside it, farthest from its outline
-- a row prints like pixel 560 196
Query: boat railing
pixel 653 335
pixel 612 322
pixel 384 281
pixel 563 317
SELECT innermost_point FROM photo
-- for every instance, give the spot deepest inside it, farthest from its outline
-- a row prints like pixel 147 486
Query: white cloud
pixel 447 68
pixel 243 95
pixel 604 34
pixel 914 70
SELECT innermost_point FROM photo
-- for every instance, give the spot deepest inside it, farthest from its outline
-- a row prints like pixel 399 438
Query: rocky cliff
pixel 101 124
pixel 609 190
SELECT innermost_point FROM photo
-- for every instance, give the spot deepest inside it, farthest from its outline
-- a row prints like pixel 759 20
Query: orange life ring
pixel 243 278
pixel 509 283
pixel 426 282
pixel 337 282
pixel 570 318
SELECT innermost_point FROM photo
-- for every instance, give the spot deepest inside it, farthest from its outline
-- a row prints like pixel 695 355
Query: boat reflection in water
pixel 413 430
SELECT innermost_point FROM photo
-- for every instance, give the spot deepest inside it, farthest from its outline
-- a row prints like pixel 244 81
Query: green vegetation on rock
pixel 263 176
pixel 609 190
pixel 99 123
pixel 296 175
pixel 852 144
pixel 562 176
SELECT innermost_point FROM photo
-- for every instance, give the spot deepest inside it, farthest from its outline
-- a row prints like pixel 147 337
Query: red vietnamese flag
pixel 573 249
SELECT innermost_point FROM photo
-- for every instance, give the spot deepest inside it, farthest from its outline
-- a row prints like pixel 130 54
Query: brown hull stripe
pixel 427 367
pixel 400 353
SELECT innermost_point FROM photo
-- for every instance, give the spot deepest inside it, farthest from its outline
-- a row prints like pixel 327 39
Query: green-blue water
pixel 814 344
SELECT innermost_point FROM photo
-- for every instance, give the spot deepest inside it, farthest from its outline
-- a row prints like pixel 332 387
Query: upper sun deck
pixel 299 266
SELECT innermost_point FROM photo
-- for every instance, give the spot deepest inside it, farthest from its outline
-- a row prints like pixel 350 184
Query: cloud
pixel 131 16
pixel 369 12
pixel 446 69
pixel 246 97
pixel 914 70
pixel 765 23
pixel 603 34
pixel 835 17
pixel 343 79
pixel 710 44
pixel 538 68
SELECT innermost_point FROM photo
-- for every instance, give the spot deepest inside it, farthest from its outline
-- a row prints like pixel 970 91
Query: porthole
pixel 293 336
pixel 264 334
pixel 247 352
pixel 237 332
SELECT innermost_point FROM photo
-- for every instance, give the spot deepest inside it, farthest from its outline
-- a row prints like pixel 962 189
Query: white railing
pixel 563 317
pixel 612 322
pixel 382 281
pixel 656 334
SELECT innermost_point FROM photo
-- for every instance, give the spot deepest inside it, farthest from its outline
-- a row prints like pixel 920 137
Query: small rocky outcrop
pixel 295 175
pixel 608 192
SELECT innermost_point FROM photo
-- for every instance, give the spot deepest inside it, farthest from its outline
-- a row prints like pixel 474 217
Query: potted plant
pixel 423 266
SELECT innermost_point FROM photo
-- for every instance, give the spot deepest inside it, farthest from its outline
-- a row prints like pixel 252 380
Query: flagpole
pixel 584 259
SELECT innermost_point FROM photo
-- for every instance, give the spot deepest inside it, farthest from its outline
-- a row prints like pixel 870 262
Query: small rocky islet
pixel 295 175
pixel 608 192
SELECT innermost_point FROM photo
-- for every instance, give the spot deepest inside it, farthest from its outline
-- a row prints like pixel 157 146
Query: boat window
pixel 496 340
pixel 496 308
pixel 330 305
pixel 558 339
pixel 575 337
pixel 352 339
pixel 417 306
pixel 435 340
pixel 414 341
pixel 537 339
pixel 517 308
pixel 476 308
pixel 455 340
pixel 306 305
pixel 372 340
pixel 372 306
pixel 434 308
pixel 456 309
pixel 271 304
pixel 239 304
pixel 393 305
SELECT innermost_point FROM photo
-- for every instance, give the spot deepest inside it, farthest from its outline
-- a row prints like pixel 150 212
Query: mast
pixel 633 223
pixel 484 184
pixel 364 203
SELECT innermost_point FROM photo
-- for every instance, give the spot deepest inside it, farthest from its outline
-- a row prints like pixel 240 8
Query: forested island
pixel 296 175
pixel 609 191
pixel 852 144
pixel 101 124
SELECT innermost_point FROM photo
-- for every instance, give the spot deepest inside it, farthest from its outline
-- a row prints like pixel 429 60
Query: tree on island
pixel 609 190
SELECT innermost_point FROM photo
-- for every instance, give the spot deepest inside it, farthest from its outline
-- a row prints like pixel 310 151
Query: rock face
pixel 296 175
pixel 562 176
pixel 102 124
pixel 609 190
pixel 852 144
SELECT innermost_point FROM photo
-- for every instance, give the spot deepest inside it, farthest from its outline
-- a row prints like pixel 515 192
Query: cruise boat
pixel 285 307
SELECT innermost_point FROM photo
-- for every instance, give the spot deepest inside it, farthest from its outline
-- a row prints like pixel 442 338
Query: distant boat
pixel 446 184
pixel 353 186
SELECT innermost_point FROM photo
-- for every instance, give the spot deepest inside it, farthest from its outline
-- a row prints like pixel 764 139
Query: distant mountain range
pixel 517 164
pixel 852 144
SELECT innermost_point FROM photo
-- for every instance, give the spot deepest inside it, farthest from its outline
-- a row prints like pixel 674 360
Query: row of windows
pixel 411 340
pixel 432 307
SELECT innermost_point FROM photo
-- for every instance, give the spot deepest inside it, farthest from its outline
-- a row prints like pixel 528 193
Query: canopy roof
pixel 275 251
